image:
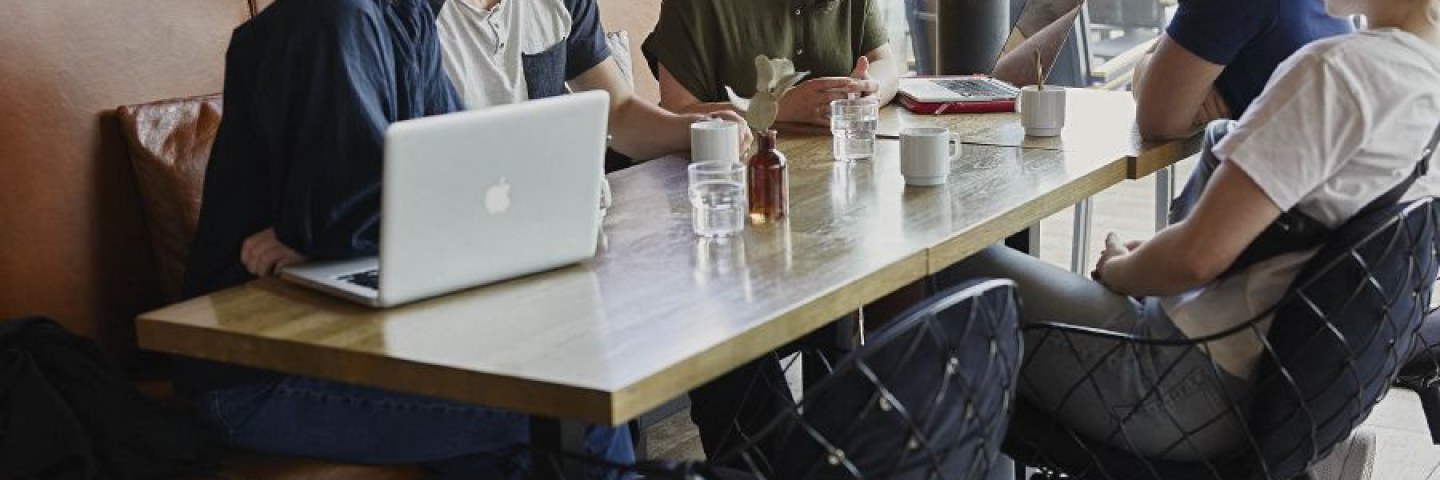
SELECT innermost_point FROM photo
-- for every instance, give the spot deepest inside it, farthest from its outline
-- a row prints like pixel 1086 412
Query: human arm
pixel 1175 92
pixel 640 129
pixel 330 112
pixel 1231 213
pixel 1301 131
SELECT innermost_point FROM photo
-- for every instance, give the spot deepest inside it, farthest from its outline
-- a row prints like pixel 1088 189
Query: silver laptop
pixel 1002 82
pixel 476 197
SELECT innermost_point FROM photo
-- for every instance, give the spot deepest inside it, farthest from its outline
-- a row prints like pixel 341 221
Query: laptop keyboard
pixel 971 87
pixel 368 279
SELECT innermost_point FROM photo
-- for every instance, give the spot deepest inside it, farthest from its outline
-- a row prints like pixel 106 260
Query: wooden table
pixel 659 311
pixel 1098 123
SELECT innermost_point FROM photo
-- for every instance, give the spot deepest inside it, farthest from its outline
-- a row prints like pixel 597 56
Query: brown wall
pixel 636 17
pixel 73 243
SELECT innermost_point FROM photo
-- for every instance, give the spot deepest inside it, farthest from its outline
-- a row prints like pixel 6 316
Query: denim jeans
pixel 1166 402
pixel 301 416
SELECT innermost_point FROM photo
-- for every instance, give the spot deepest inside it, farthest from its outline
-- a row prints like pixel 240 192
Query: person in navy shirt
pixel 295 175
pixel 1216 56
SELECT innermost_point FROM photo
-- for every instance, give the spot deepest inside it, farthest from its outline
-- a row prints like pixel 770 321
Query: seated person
pixel 295 173
pixel 1217 55
pixel 1342 122
pixel 702 46
pixel 499 52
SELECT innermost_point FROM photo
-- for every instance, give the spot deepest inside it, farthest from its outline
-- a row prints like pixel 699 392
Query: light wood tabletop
pixel 1098 122
pixel 658 311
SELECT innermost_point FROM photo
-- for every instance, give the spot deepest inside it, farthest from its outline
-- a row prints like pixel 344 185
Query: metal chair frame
pixel 1107 461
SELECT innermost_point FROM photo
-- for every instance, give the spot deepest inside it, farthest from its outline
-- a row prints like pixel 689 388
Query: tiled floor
pixel 1403 451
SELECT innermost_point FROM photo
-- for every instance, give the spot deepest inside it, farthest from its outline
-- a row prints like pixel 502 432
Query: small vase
pixel 769 182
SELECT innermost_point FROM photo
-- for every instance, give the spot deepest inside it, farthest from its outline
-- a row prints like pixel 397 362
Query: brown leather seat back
pixel 637 19
pixel 170 143
pixel 73 243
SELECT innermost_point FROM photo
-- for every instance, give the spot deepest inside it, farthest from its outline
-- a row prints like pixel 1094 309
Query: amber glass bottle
pixel 769 182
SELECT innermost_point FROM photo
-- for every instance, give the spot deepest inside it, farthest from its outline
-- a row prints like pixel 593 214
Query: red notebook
pixel 989 106
pixel 956 94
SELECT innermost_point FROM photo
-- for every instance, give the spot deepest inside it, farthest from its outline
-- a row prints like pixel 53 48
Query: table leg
pixel 1164 194
pixel 1028 241
pixel 1080 245
pixel 549 436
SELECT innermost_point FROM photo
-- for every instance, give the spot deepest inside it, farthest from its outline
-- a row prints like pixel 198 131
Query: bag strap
pixel 1422 168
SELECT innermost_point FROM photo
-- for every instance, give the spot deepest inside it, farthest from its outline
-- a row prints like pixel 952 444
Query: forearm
pixel 1160 267
pixel 643 131
pixel 1171 88
pixel 707 108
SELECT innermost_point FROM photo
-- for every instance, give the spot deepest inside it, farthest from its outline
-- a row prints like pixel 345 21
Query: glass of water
pixel 717 195
pixel 853 122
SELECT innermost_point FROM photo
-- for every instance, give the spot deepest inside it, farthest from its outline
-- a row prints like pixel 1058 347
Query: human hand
pixel 263 254
pixel 809 102
pixel 1113 250
pixel 746 138
pixel 864 84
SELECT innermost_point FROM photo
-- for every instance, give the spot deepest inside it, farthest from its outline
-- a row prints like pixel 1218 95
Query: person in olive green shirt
pixel 701 46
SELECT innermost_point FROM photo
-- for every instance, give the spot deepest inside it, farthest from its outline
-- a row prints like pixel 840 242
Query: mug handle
pixel 954 145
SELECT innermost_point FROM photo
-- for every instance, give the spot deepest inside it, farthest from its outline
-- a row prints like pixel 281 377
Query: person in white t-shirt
pixel 498 52
pixel 1340 123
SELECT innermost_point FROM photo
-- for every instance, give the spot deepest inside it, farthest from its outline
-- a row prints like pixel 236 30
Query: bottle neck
pixel 767 140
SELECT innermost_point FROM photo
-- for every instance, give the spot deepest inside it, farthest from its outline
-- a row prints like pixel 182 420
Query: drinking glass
pixel 718 199
pixel 853 122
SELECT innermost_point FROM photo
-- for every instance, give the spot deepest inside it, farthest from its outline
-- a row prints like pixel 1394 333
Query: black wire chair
pixel 1422 372
pixel 1334 346
pixel 926 397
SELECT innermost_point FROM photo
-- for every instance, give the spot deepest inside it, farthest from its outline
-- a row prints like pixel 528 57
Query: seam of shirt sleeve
pixel 1235 153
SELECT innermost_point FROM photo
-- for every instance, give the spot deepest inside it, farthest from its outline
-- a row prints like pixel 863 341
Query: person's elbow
pixel 1163 126
pixel 1199 270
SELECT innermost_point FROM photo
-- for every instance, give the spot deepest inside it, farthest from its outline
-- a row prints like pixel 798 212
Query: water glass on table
pixel 853 122
pixel 718 198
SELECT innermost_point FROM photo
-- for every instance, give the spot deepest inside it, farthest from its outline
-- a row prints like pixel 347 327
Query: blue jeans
pixel 309 417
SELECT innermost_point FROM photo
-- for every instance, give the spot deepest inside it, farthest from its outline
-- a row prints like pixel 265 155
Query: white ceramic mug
pixel 1042 112
pixel 926 153
pixel 714 140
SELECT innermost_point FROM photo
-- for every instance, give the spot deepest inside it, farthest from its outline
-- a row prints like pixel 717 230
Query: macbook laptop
pixel 1043 26
pixel 477 197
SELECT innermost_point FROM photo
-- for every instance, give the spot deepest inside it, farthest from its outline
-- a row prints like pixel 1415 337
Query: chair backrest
pixel 1333 348
pixel 927 397
pixel 1339 338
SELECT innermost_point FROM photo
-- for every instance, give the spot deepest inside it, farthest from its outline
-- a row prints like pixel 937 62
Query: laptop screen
pixel 1042 27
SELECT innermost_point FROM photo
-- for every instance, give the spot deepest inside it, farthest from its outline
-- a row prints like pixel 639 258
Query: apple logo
pixel 497 197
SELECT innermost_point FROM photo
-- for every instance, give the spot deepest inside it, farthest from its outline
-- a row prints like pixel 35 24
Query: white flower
pixel 772 79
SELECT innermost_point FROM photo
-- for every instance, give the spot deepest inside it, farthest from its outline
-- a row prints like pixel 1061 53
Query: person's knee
pixel 978 265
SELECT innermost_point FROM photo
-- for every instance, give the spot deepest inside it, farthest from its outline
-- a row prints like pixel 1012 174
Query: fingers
pixel 865 87
pixel 862 68
pixel 263 254
pixel 843 84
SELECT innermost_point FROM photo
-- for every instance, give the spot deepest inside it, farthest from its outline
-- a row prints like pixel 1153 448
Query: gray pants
pixel 1159 401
